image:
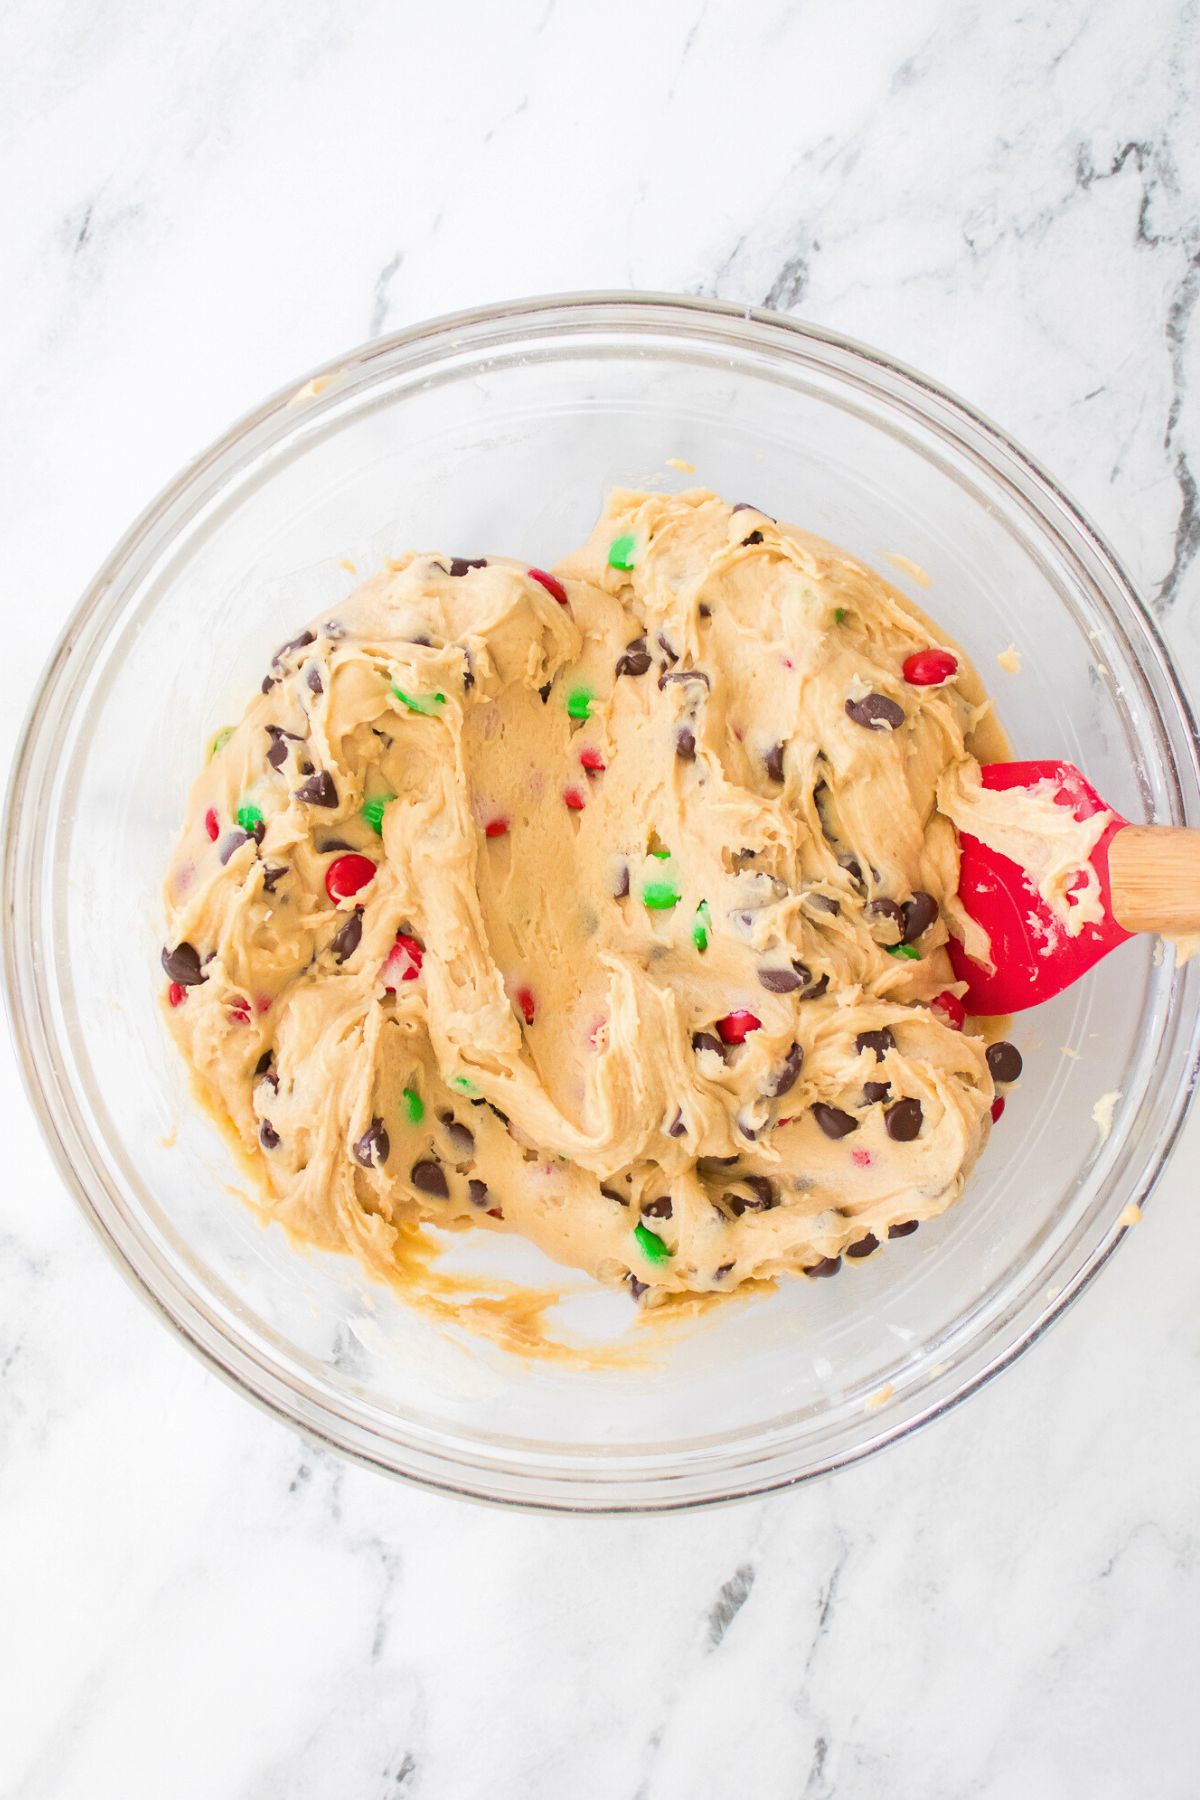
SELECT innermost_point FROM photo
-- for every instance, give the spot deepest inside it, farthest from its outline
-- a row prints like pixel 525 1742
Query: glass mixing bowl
pixel 500 430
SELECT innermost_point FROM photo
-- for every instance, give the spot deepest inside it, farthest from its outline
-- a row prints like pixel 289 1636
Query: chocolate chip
pixel 705 612
pixel 318 790
pixel 919 914
pixel 763 1190
pixel 263 1063
pixel 822 903
pixel 429 1177
pixel 685 745
pixel 773 762
pixel 828 1265
pixel 677 1127
pixel 304 766
pixel 268 1137
pixel 272 876
pixel 1004 1060
pixel 723 1270
pixel 785 1077
pixel 833 1121
pixel 657 1209
pixel 749 506
pixel 785 981
pixel 233 840
pixel 280 739
pixel 888 911
pixel 268 682
pixel 372 1148
pixel 544 692
pixel 345 943
pixel 667 647
pixel 876 712
pixel 313 679
pixel 460 564
pixel 421 641
pixel 904 1229
pixel 683 676
pixel 876 1091
pixel 880 1042
pixel 258 830
pixel 903 1120
pixel 328 845
pixel 296 643
pixel 756 537
pixel 182 964
pixel 636 659
pixel 612 1194
pixel 503 1117
pixel 852 867
pixel 477 1192
pixel 461 1141
pixel 864 1246
pixel 622 885
pixel 816 990
pixel 638 1288
pixel 706 1040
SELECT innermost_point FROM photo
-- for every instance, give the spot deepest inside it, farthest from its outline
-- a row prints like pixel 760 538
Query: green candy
pixel 579 703
pixel 908 951
pixel 248 817
pixel 424 703
pixel 372 811
pixel 219 742
pixel 414 1106
pixel 659 896
pixel 700 927
pixel 840 615
pixel 652 1247
pixel 662 855
pixel 620 551
pixel 463 1085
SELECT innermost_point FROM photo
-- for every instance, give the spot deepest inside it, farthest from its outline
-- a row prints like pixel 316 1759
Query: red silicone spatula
pixel 1149 878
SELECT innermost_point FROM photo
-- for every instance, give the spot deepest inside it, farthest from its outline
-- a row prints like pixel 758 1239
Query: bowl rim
pixel 565 1489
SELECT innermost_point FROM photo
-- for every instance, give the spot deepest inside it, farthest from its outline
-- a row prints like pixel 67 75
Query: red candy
pixel 552 585
pixel 262 1003
pixel 950 1007
pixel 176 994
pixel 524 999
pixel 346 875
pixel 495 828
pixel 573 798
pixel 403 962
pixel 212 824
pixel 929 668
pixel 239 1011
pixel 592 761
pixel 997 1108
pixel 861 1159
pixel 736 1027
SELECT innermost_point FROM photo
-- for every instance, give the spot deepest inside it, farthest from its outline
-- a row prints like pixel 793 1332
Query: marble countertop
pixel 200 203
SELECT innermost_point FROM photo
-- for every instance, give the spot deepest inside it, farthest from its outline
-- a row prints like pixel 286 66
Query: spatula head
pixel 1035 956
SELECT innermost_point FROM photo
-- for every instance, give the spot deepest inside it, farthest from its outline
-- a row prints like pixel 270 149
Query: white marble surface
pixel 197 203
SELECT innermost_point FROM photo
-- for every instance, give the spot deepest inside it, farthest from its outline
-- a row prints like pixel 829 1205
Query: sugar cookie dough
pixel 607 907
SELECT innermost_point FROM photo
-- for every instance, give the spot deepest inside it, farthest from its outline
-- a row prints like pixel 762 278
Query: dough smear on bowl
pixel 608 907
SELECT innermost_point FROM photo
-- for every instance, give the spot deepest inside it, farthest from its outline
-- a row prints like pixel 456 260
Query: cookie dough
pixel 608 907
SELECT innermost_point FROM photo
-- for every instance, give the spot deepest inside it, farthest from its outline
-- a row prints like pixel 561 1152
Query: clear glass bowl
pixel 500 431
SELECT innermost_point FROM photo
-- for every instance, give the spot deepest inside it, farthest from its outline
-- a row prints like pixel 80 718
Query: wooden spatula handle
pixel 1154 871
